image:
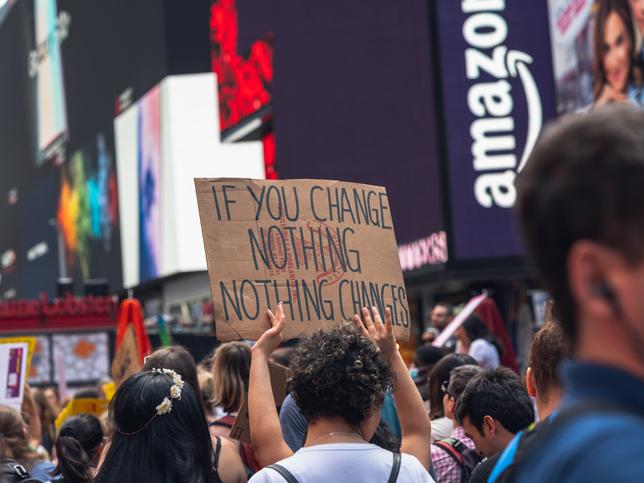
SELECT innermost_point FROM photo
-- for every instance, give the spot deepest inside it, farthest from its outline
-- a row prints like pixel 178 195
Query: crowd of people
pixel 355 411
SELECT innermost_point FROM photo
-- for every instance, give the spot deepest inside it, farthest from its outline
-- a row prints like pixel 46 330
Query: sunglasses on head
pixel 444 388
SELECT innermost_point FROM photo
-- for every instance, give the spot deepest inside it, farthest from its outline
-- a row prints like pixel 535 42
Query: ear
pixel 530 385
pixel 589 266
pixel 489 426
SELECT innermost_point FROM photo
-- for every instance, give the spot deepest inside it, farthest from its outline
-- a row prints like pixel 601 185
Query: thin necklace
pixel 336 433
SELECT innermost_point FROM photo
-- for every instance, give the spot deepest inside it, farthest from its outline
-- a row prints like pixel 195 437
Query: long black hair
pixel 78 442
pixel 148 447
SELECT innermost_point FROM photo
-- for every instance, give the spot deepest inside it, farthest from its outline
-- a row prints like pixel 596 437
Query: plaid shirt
pixel 447 470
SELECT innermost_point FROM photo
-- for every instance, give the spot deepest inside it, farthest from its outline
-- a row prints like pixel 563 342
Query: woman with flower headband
pixel 160 433
pixel 228 462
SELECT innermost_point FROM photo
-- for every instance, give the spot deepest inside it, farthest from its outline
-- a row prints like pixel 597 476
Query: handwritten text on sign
pixel 323 248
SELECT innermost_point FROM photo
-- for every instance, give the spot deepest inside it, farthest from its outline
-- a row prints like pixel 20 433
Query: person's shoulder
pixel 412 470
pixel 289 409
pixel 441 428
pixel 594 447
pixel 266 475
pixel 480 343
pixel 482 346
pixel 42 470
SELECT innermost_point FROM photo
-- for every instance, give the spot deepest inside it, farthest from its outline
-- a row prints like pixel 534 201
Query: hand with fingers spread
pixel 271 339
pixel 372 327
pixel 414 421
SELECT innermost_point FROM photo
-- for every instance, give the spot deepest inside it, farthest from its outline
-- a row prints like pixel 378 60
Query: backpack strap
pixel 451 448
pixel 286 474
pixel 395 469
pixel 17 470
pixel 217 452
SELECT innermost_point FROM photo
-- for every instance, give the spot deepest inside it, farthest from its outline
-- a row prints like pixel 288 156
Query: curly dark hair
pixel 337 372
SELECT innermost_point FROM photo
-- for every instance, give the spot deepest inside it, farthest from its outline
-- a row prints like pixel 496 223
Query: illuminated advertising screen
pixel 353 99
pixel 497 93
pixel 66 70
pixel 597 52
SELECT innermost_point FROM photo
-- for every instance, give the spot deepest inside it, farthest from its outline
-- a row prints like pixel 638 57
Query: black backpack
pixel 13 472
pixel 467 458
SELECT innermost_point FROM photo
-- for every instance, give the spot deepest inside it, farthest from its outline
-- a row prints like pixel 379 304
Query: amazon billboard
pixel 497 92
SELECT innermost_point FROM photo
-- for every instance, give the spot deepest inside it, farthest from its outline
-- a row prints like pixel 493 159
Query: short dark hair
pixel 439 375
pixel 549 349
pixel 583 180
pixel 499 394
pixel 448 307
pixel 459 377
pixel 428 355
pixel 476 328
pixel 337 372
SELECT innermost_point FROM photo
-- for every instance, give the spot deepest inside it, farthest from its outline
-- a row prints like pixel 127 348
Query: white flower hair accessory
pixel 165 406
pixel 175 391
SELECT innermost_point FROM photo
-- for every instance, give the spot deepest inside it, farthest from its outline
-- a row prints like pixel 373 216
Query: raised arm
pixel 265 430
pixel 34 426
pixel 414 420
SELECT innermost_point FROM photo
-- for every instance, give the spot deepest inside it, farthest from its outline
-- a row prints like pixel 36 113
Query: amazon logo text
pixel 494 143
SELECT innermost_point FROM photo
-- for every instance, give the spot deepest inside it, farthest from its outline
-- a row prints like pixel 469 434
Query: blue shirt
pixel 295 427
pixel 597 446
pixel 42 470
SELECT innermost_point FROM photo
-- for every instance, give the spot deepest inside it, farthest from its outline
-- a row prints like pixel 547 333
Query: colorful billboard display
pixel 163 141
pixel 64 76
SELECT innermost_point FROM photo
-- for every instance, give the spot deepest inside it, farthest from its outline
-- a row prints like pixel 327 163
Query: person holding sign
pixel 340 376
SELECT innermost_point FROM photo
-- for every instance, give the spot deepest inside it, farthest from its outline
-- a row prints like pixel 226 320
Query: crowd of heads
pixel 584 233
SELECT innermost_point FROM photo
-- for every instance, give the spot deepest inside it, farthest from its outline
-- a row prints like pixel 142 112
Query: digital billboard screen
pixel 497 94
pixel 64 65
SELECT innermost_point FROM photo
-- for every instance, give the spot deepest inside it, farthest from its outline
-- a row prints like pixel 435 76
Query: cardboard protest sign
pixel 279 376
pixel 126 362
pixel 459 319
pixel 13 370
pixel 323 248
pixel 109 389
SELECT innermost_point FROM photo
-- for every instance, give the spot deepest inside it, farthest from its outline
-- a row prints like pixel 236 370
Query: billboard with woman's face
pixel 597 52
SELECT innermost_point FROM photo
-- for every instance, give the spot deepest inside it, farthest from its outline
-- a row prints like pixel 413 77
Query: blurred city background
pixel 110 109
